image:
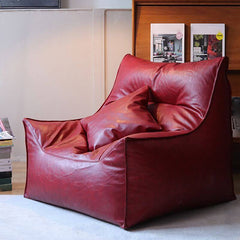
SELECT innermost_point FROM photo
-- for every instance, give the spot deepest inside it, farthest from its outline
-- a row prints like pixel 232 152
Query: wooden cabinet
pixel 192 11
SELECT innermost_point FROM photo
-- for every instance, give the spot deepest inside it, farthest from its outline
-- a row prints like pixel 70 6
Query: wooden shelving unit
pixel 193 11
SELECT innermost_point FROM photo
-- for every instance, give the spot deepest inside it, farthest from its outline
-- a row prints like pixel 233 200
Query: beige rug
pixel 24 219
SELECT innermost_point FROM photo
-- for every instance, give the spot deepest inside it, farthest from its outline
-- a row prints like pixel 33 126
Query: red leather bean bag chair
pixel 161 142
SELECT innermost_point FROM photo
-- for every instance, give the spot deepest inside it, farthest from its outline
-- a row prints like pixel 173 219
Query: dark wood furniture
pixel 190 11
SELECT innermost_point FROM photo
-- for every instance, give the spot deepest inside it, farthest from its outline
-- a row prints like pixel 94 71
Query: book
pixel 6 125
pixel 4 135
pixel 2 128
pixel 5 152
pixel 6 143
pixel 7 174
pixel 5 181
pixel 207 41
pixel 5 168
pixel 6 187
pixel 5 161
pixel 167 42
pixel 5 130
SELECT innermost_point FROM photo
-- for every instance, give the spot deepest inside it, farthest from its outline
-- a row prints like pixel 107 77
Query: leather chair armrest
pixel 174 171
pixel 62 136
pixel 159 134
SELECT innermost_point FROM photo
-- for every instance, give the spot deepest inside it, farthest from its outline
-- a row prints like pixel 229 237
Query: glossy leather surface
pixel 147 174
pixel 120 118
pixel 180 85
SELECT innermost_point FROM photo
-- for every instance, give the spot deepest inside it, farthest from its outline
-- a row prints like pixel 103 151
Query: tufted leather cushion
pixel 177 85
pixel 173 117
pixel 123 117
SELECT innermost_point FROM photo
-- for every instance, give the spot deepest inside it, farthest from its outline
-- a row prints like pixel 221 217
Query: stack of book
pixel 6 144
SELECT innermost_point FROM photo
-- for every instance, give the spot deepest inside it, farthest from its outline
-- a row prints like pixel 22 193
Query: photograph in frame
pixel 207 41
pixel 167 42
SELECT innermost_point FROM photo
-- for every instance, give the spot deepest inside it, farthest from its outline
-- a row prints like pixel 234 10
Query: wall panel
pixel 47 66
pixel 118 42
pixel 58 64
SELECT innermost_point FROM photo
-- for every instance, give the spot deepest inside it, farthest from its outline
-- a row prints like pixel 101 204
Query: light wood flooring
pixel 19 177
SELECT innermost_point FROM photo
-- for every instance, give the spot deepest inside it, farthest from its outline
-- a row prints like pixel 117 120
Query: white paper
pixel 207 41
pixel 167 42
pixel 5 135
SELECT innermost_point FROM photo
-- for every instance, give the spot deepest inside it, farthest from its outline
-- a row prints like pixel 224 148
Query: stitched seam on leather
pixel 213 88
pixel 115 82
pixel 26 144
pixel 110 148
pixel 33 133
pixel 157 73
pixel 180 133
pixel 211 95
pixel 126 184
pixel 107 152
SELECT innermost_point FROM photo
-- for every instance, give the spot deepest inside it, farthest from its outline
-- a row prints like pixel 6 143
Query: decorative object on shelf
pixel 30 4
pixel 207 41
pixel 6 144
pixel 167 42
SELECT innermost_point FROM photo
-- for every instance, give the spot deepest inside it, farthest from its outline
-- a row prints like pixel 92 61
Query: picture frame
pixel 30 4
pixel 167 42
pixel 207 41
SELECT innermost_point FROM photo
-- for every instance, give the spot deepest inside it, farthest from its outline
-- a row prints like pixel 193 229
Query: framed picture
pixel 30 4
pixel 167 42
pixel 207 41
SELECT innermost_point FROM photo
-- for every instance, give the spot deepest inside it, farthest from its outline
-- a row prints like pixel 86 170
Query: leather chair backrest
pixel 181 92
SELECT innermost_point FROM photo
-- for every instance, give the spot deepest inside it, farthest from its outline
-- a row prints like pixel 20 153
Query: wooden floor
pixel 19 176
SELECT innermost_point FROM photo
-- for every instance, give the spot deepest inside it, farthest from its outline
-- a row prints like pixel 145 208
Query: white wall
pixel 56 64
pixel 107 4
pixel 118 42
